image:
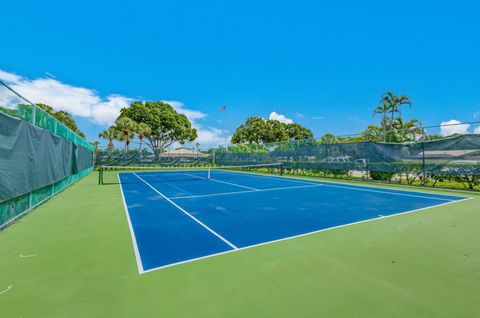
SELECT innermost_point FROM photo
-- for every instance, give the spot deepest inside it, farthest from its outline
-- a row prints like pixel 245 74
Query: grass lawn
pixel 80 263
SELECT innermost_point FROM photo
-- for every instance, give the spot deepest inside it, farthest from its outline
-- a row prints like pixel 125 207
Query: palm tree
pixel 109 135
pixel 143 130
pixel 95 145
pixel 413 128
pixel 390 103
pixel 126 128
pixel 328 139
pixel 394 103
pixel 407 131
pixel 383 109
pixel 372 133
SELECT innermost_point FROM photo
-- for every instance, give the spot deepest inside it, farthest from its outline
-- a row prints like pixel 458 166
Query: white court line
pixel 234 184
pixel 230 183
pixel 4 291
pixel 303 234
pixel 132 233
pixel 388 192
pixel 27 256
pixel 286 179
pixel 359 187
pixel 188 214
pixel 173 186
pixel 242 192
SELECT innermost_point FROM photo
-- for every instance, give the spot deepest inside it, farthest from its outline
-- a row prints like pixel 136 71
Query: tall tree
pixel 126 129
pixel 275 131
pixel 258 130
pixel 252 131
pixel 329 139
pixel 373 133
pixel 394 102
pixel 109 135
pixel 143 130
pixel 62 116
pixel 166 124
pixel 407 131
pixel 298 132
pixel 383 109
pixel 390 104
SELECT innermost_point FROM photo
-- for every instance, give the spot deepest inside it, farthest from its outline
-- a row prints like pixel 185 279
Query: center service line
pixel 188 214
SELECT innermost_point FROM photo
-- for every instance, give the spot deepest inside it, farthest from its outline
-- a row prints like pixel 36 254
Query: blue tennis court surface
pixel 176 217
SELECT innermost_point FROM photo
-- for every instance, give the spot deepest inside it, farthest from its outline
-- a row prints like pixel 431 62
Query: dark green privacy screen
pixel 139 158
pixel 32 158
pixel 455 158
pixel 39 157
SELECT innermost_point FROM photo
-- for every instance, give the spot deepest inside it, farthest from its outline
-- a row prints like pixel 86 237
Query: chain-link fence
pixel 453 161
pixel 39 156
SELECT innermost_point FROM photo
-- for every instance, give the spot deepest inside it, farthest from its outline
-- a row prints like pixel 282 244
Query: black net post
pixel 100 172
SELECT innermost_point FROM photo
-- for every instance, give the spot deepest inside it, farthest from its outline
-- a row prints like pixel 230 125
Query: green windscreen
pixel 39 156
pixel 456 159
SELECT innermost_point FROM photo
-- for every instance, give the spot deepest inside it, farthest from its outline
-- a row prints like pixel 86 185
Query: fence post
pixel 326 159
pixel 295 159
pixel 367 159
pixel 34 115
pixel 423 164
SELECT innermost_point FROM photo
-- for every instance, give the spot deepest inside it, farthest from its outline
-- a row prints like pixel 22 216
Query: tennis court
pixel 181 216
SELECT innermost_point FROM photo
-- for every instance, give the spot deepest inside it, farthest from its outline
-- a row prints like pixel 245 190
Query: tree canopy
pixel 62 116
pixel 392 127
pixel 109 134
pixel 258 130
pixel 162 124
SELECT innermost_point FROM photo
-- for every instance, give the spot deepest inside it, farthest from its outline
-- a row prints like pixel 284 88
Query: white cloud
pixel 477 130
pixel 280 118
pixel 207 136
pixel 87 103
pixel 9 77
pixel 317 117
pixel 78 101
pixel 180 108
pixel 453 126
pixel 212 137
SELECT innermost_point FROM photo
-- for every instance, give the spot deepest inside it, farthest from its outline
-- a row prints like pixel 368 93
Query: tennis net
pixel 130 174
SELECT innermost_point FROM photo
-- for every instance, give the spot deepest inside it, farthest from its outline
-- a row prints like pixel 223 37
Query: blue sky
pixel 323 64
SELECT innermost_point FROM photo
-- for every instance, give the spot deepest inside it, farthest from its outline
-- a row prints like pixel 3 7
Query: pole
pixel 423 164
pixel 295 159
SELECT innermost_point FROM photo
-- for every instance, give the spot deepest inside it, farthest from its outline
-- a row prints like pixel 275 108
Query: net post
pixel 281 169
pixel 100 175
